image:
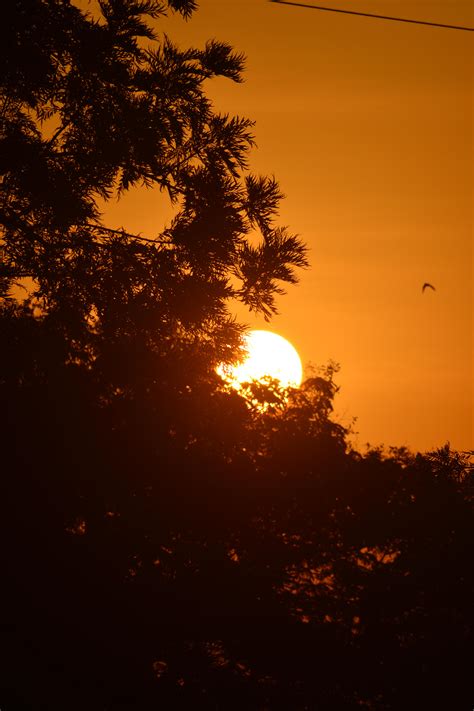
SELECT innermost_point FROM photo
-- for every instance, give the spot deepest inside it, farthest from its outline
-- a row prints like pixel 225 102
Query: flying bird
pixel 426 285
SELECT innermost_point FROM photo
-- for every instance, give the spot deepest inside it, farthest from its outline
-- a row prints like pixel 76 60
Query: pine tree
pixel 89 111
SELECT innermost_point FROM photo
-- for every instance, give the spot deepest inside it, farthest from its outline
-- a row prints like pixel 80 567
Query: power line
pixel 123 233
pixel 369 14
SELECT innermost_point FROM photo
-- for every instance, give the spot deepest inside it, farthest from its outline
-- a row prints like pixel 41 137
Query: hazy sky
pixel 368 126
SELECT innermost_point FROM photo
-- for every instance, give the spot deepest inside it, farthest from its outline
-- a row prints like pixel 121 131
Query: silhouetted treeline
pixel 168 543
pixel 188 550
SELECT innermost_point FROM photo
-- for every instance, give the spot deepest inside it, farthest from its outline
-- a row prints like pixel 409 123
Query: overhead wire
pixel 373 15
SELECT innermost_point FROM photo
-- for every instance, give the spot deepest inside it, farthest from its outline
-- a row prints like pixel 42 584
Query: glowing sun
pixel 268 354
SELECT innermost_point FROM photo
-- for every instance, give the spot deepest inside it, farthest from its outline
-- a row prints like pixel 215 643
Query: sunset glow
pixel 268 355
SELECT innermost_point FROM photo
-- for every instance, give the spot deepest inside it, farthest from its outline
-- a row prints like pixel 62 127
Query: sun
pixel 268 355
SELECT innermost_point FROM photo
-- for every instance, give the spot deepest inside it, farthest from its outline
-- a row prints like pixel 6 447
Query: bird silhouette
pixel 426 285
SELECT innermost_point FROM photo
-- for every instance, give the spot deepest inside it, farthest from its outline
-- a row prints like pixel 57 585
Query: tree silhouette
pixel 168 542
pixel 102 114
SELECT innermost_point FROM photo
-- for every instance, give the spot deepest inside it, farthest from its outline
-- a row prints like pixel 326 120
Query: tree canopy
pixel 101 112
pixel 168 542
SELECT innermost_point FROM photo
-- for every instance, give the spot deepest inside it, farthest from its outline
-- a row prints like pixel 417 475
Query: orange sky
pixel 368 125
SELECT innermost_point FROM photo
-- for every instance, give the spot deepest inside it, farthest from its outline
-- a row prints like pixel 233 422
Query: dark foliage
pixel 176 546
pixel 168 543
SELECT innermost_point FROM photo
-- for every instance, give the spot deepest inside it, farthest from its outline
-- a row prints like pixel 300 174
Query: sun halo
pixel 268 355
